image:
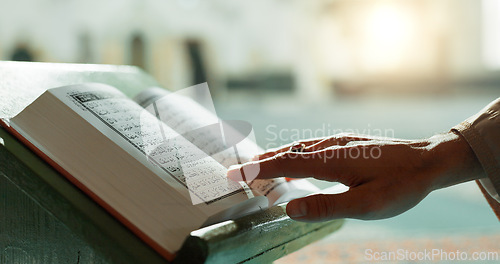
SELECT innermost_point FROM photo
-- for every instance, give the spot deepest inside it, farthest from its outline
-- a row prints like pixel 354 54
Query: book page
pixel 151 142
pixel 218 139
pixel 95 136
pixel 199 125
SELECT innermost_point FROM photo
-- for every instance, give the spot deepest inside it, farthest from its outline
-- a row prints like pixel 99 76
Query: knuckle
pixel 322 206
pixel 281 155
pixel 278 162
pixel 341 137
pixel 344 135
pixel 288 156
pixel 351 143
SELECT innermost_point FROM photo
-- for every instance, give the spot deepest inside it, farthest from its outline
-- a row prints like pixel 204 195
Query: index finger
pixel 316 144
pixel 328 164
pixel 272 152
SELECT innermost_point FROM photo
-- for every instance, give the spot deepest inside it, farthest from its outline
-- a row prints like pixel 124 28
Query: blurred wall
pixel 316 48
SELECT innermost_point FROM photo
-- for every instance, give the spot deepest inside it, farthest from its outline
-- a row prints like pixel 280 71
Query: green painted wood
pixel 66 208
pixel 46 219
pixel 258 238
pixel 30 234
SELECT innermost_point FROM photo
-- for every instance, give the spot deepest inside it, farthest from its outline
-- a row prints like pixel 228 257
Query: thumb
pixel 320 207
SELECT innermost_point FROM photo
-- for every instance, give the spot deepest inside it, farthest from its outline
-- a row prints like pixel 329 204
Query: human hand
pixel 386 176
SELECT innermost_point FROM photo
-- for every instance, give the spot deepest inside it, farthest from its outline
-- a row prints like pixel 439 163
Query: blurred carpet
pixel 427 250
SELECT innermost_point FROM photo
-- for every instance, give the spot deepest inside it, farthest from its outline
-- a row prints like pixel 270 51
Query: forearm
pixel 453 161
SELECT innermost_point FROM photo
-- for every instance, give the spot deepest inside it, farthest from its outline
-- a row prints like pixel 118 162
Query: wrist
pixel 453 161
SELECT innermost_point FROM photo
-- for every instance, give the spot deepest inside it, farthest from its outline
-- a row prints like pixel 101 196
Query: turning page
pixel 198 123
pixel 150 141
pixel 99 138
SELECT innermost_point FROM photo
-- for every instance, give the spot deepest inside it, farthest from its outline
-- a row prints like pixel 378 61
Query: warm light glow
pixel 491 35
pixel 388 33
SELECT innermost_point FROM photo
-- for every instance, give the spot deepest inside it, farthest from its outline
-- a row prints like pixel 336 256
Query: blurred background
pixel 311 49
pixel 299 69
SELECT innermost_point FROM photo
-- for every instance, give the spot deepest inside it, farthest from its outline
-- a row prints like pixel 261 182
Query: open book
pixel 150 171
